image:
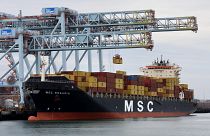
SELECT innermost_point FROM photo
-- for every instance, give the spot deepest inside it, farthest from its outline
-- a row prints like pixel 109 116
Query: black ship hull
pixel 64 101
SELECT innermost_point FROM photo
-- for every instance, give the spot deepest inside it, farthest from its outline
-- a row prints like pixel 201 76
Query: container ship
pixel 80 95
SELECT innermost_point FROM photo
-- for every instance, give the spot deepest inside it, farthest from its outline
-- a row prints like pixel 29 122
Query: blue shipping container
pixel 6 32
pixel 50 10
pixel 132 77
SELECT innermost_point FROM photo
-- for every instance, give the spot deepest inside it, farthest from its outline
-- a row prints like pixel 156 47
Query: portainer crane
pixel 65 30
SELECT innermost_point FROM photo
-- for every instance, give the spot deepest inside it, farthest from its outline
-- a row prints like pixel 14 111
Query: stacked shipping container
pixel 120 83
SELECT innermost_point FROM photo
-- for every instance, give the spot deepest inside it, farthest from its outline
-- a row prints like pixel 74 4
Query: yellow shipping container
pixel 131 92
pixel 70 77
pixel 171 95
pixel 159 80
pixel 119 81
pixel 165 95
pixel 78 78
pixel 85 84
pixel 91 79
pixel 149 93
pixel 140 92
pixel 79 73
pixel 119 86
pixel 152 93
pixel 169 84
pixel 132 87
pixel 160 90
pixel 146 89
pixel 82 88
pixel 168 87
pixel 121 72
pixel 146 93
pixel 135 92
pixel 92 84
pixel 184 86
pixel 169 80
pixel 140 88
pixel 176 83
pixel 117 60
pixel 82 84
pixel 87 74
pixel 79 83
pixel 102 84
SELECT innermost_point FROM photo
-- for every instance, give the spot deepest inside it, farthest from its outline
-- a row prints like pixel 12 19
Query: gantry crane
pixel 65 30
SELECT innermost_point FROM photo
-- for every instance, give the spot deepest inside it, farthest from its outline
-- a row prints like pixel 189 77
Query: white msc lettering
pixel 128 106
pixel 148 106
pixel 140 106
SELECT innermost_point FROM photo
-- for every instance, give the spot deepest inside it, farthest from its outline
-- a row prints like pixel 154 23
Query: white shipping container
pixel 50 11
pixel 8 33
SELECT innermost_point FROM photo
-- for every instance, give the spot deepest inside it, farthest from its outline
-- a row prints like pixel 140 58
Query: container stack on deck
pixel 120 83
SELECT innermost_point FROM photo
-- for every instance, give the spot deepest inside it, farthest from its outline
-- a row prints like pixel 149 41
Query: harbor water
pixel 194 125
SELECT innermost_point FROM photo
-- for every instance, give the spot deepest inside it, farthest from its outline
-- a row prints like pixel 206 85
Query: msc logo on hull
pixel 140 108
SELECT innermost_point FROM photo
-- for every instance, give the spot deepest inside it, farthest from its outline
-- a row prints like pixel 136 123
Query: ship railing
pixel 52 81
pixel 110 95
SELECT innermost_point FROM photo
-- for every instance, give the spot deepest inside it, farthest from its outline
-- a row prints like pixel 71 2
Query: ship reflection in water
pixel 194 125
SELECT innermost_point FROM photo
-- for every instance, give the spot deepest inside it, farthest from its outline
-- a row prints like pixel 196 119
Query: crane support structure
pixel 59 32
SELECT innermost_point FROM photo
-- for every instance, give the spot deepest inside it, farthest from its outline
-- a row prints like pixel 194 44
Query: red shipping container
pixel 110 85
pixel 119 91
pixel 153 89
pixel 140 83
pixel 110 80
pixel 104 74
pixel 102 89
pixel 147 82
pixel 164 82
pixel 110 90
pixel 186 94
pixel 130 82
pixel 160 94
pixel 119 76
pixel 92 89
pixel 101 79
pixel 160 85
pixel 141 78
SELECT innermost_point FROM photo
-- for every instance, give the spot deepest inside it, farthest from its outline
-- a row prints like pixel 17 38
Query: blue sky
pixel 188 49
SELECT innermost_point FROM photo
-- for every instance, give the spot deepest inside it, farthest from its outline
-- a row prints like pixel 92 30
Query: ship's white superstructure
pixel 161 69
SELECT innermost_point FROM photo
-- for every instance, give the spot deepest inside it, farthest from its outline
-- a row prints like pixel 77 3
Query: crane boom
pixel 62 29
